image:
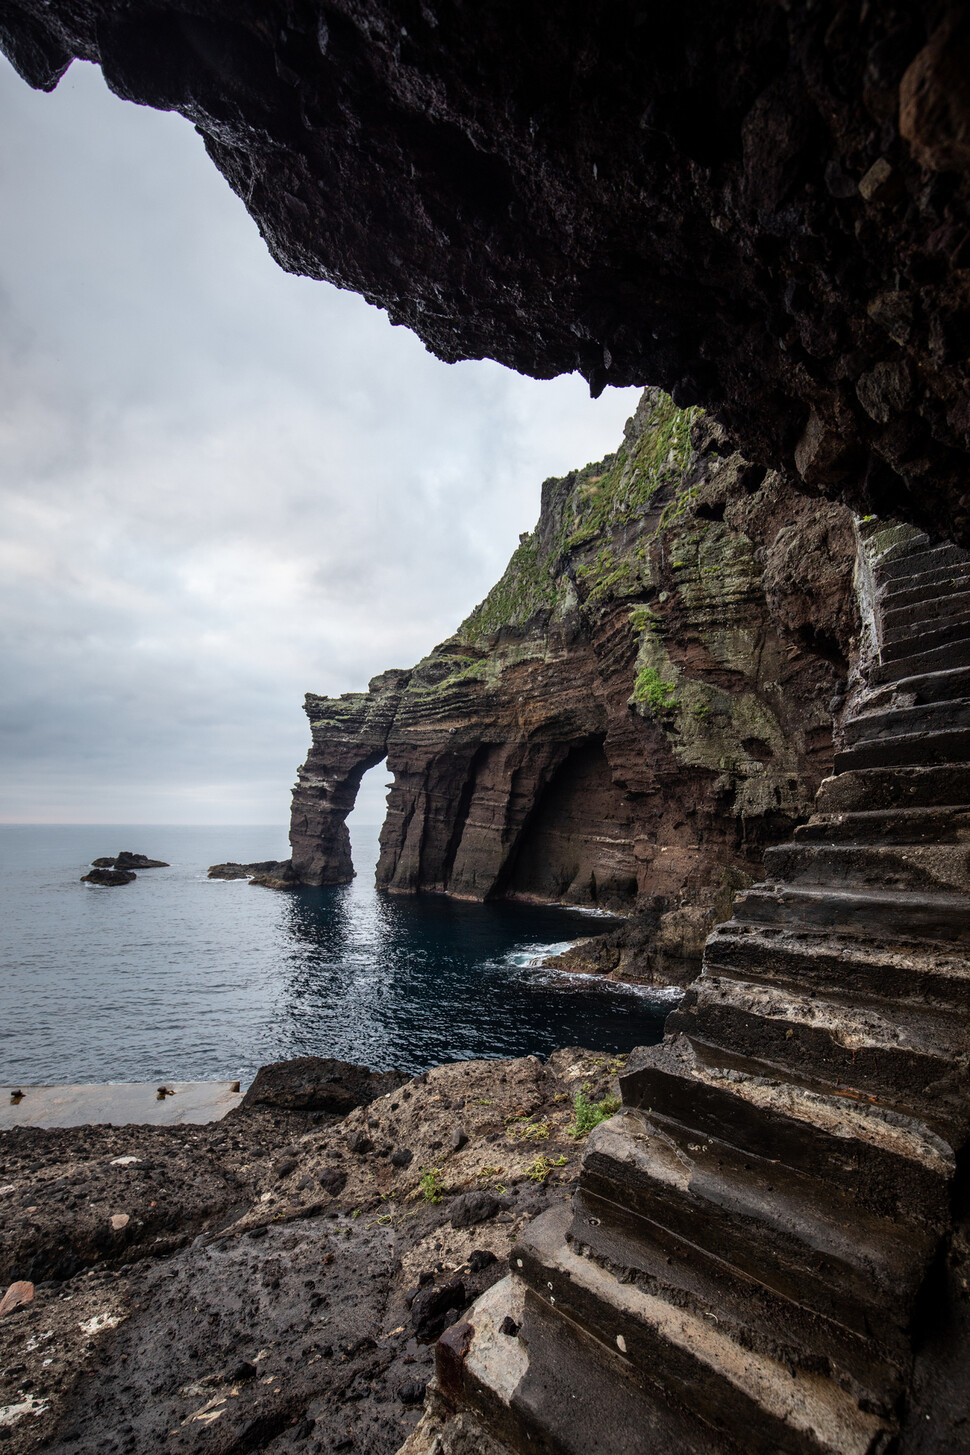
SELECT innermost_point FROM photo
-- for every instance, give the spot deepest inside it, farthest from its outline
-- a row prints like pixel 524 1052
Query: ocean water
pixel 184 978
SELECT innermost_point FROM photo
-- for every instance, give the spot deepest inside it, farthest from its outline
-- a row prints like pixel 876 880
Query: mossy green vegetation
pixel 588 1114
pixel 526 588
pixel 624 485
pixel 650 688
pixel 430 1184
pixel 588 509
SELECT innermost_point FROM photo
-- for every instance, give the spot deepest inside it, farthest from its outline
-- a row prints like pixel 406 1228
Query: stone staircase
pixel 741 1268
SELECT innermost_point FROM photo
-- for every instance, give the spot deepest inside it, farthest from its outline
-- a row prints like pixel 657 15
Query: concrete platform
pixel 118 1103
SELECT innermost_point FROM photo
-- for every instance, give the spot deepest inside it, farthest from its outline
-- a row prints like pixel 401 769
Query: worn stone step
pixel 635 1250
pixel 937 868
pixel 888 826
pixel 901 641
pixel 926 586
pixel 552 1389
pixel 863 912
pixel 905 1058
pixel 819 1252
pixel 895 1165
pixel 917 562
pixel 914 616
pixel 948 686
pixel 950 746
pixel 900 721
pixel 877 970
pixel 905 786
pixel 921 661
pixel 730 1385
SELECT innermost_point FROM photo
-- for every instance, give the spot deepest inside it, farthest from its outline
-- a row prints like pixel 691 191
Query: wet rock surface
pixel 763 209
pixel 253 1284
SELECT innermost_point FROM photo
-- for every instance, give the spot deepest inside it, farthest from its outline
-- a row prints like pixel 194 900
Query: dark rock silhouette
pixel 108 876
pixel 762 209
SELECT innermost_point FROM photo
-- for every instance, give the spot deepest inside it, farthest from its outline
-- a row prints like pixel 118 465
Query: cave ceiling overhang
pixel 761 207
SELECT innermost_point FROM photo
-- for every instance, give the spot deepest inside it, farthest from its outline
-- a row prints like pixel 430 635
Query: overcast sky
pixel 222 486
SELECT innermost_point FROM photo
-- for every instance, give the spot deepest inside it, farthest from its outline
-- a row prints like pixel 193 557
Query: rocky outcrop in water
pixel 108 877
pixel 127 860
pixel 641 704
pixel 762 208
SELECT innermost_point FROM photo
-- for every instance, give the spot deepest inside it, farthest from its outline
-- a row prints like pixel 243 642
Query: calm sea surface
pixel 179 977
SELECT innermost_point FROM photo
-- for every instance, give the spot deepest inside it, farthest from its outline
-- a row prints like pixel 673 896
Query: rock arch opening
pixel 366 817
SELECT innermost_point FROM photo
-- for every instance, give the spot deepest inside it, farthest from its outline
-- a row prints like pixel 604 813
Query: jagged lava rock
pixel 108 876
pixel 232 870
pixel 319 1083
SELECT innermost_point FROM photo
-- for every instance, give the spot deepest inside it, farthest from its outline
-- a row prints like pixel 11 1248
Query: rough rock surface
pixel 127 860
pixel 762 208
pixel 319 1083
pixel 271 873
pixel 108 876
pixel 202 1289
pixel 640 705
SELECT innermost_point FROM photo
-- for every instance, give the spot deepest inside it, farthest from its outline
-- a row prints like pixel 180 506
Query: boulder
pixel 319 1083
pixel 108 876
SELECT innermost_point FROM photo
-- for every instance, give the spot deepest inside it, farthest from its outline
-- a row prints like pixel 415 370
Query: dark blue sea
pixel 184 978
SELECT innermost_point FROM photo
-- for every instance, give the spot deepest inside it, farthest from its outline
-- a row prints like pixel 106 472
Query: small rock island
pixel 121 869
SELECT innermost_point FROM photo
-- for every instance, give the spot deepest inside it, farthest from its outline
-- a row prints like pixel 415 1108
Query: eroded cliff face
pixel 639 706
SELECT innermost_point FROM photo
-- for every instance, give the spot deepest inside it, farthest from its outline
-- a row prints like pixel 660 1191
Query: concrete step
pixel 888 826
pixel 552 1389
pixel 915 615
pixel 924 977
pixel 936 868
pixel 915 1062
pixel 926 586
pixel 907 786
pixel 922 659
pixel 949 746
pixel 900 721
pixel 837 1260
pixel 730 1385
pixel 884 913
pixel 917 562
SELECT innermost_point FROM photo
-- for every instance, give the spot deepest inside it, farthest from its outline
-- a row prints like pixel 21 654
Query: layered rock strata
pixel 640 705
pixel 762 208
pixel 763 1254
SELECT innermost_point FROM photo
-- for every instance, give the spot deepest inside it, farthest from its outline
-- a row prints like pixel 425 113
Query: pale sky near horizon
pixel 221 486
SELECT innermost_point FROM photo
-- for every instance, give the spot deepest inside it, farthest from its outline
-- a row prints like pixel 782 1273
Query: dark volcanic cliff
pixel 638 707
